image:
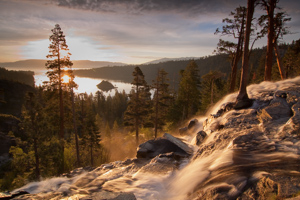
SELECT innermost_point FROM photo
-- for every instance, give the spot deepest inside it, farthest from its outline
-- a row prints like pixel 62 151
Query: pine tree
pixel 139 103
pixel 89 131
pixel 280 29
pixel 189 90
pixel 210 93
pixel 34 126
pixel 269 6
pixel 291 60
pixel 234 27
pixel 57 68
pixel 160 100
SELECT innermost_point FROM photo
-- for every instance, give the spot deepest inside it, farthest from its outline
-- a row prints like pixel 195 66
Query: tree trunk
pixel 237 58
pixel 75 128
pixel 61 108
pixel 234 72
pixel 137 123
pixel 91 153
pixel 244 77
pixel 269 56
pixel 37 159
pixel 156 112
pixel 137 131
pixel 280 66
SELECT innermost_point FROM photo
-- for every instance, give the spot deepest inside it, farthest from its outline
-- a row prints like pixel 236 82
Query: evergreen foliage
pixel 212 89
pixel 59 66
pixel 189 91
pixel 25 77
pixel 161 100
pixel 291 60
pixel 139 103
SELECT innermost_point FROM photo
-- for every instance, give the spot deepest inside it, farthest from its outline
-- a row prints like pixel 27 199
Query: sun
pixel 66 79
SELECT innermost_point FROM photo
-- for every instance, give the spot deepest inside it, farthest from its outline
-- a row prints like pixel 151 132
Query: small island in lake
pixel 105 86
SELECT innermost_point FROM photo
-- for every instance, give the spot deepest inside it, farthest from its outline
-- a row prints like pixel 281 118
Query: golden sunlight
pixel 66 79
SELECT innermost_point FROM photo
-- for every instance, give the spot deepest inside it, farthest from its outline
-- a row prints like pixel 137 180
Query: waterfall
pixel 243 148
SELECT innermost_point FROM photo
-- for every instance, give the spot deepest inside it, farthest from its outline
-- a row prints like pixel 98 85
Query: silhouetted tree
pixel 58 53
pixel 234 27
pixel 269 6
pixel 139 102
pixel 280 29
pixel 209 88
pixel 34 125
pixel 291 60
pixel 242 98
pixel 189 90
pixel 160 99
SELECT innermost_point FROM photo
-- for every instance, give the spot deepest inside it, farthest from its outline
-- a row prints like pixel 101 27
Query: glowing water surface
pixel 88 85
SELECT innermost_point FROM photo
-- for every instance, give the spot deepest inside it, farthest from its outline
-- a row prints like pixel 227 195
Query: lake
pixel 88 85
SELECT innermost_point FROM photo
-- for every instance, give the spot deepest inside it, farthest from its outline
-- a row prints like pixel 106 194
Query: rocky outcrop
pixel 250 153
pixel 262 145
pixel 200 137
pixel 166 144
pixel 158 157
pixel 190 128
pixel 153 148
pixel 110 196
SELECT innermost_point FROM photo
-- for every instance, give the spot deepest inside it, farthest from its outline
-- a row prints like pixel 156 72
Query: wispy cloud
pixel 190 7
pixel 120 30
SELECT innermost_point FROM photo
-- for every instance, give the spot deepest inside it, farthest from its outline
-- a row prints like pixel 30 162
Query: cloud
pixel 190 7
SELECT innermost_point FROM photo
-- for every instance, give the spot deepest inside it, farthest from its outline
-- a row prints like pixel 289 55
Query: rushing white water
pixel 216 167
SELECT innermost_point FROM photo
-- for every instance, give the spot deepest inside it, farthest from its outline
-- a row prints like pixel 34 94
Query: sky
pixel 128 31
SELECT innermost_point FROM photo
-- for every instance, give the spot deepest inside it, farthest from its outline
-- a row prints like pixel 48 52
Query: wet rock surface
pixel 153 148
pixel 157 157
pixel 200 137
pixel 263 144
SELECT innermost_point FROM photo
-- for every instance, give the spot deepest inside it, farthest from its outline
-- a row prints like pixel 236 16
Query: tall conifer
pixel 139 103
pixel 160 99
pixel 58 64
pixel 189 90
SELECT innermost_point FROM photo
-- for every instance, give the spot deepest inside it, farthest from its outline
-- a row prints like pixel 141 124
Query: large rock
pixel 13 195
pixel 193 124
pixel 274 187
pixel 278 108
pixel 153 148
pixel 162 164
pixel 183 130
pixel 293 124
pixel 200 137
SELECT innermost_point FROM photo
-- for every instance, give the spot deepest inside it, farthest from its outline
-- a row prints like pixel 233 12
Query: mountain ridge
pixel 39 64
pixel 162 60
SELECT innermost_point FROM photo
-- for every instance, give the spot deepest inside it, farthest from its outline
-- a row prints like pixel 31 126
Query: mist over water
pixel 221 165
